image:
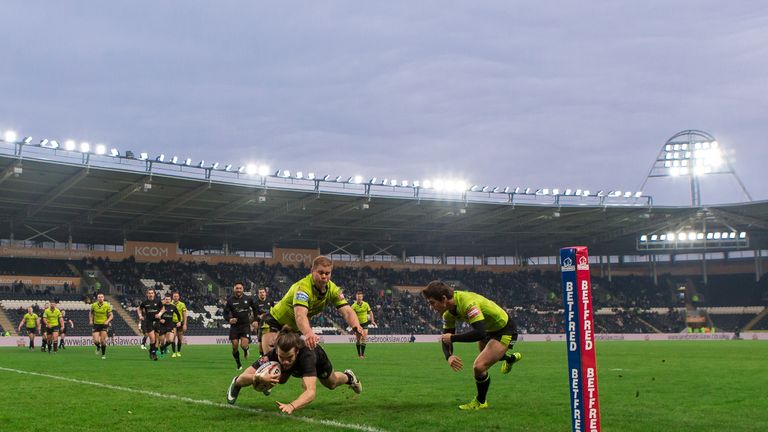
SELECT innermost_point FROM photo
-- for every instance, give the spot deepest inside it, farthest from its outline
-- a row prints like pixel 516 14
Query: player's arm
pixel 110 317
pixel 37 323
pixel 178 315
pixel 476 333
pixel 159 315
pixel 370 314
pixel 141 316
pixel 229 313
pixel 90 316
pixel 184 326
pixel 309 383
pixel 71 324
pixel 302 322
pixel 454 361
pixel 350 317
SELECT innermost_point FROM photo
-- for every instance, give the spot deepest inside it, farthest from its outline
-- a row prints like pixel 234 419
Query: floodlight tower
pixel 692 153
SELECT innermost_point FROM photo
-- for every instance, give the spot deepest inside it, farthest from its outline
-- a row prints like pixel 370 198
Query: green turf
pixel 644 386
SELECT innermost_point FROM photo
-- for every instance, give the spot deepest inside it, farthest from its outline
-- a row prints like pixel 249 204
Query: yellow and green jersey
pixel 471 308
pixel 53 317
pixel 30 320
pixel 100 312
pixel 303 293
pixel 182 308
pixel 362 310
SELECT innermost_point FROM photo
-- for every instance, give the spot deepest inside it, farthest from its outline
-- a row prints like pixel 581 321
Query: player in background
pixel 43 328
pixel 63 333
pixel 262 308
pixel 149 311
pixel 31 323
pixel 52 320
pixel 490 325
pixel 182 328
pixel 363 311
pixel 305 299
pixel 299 361
pixel 100 316
pixel 166 324
pixel 239 311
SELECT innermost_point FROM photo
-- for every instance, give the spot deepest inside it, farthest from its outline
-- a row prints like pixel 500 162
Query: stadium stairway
pixel 127 317
pixel 6 323
pixel 755 320
pixel 649 325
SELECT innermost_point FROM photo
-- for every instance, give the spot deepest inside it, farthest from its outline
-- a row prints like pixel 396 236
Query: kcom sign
pixel 295 256
pixel 152 251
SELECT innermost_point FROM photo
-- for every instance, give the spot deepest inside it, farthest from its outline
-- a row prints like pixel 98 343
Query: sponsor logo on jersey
pixel 473 312
pixel 301 296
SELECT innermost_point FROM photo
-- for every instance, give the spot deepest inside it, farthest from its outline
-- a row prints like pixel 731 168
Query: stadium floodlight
pixel 372 180
pixel 692 153
pixel 85 147
pixel 384 182
pixel 228 167
pixel 485 189
pixel 174 160
pixel 27 140
pixel 53 144
pixel 215 165
pixel 264 170
pixel 717 236
pixel 10 136
pixel 742 235
pixel 69 145
pixel 495 189
pixel 337 179
pixel 310 176
pixel 655 237
pixel 404 183
pixel 286 173
pixel 43 142
pixel 114 152
pixel 326 177
pixel 474 188
pixel 393 182
pixel 251 169
pixel 555 191
pixel 506 189
pixel 188 162
pixel 201 164
pixel 101 149
pixel 528 191
pixel 299 175
pixel 568 192
pixel 160 158
pixel 357 179
pixel 427 184
pixel 416 184
pixel 643 238
pixel 241 169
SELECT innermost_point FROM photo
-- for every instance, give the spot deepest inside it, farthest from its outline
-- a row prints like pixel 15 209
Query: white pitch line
pixel 333 423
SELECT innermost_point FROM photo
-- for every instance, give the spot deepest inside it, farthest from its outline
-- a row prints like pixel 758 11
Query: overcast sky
pixel 539 94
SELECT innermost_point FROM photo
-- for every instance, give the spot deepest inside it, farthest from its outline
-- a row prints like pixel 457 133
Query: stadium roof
pixel 46 200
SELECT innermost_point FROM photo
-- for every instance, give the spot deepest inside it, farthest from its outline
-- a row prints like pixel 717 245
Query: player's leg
pixel 363 341
pixel 179 340
pixel 54 339
pixel 31 335
pixel 151 336
pixel 103 341
pixel 245 346
pixel 96 335
pixel 234 338
pixel 331 378
pixel 268 340
pixel 245 379
pixel 492 352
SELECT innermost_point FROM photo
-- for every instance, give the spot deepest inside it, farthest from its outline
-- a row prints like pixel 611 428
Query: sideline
pixel 310 420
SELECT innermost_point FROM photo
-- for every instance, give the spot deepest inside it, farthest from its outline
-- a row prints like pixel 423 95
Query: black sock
pixel 482 387
pixel 245 351
pixel 362 348
pixel 55 347
pixel 98 345
pixel 178 345
pixel 61 343
pixel 152 349
pixel 104 349
pixel 359 353
pixel 31 344
pixel 236 355
pixel 144 340
pixel 350 380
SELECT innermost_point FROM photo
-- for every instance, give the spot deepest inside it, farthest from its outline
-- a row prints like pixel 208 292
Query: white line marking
pixel 333 423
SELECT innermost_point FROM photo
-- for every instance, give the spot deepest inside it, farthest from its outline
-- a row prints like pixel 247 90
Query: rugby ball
pixel 268 369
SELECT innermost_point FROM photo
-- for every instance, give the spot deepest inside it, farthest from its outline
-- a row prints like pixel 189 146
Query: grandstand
pixel 77 226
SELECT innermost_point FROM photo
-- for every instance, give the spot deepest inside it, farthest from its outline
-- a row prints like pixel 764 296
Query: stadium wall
pixel 404 338
pixel 155 252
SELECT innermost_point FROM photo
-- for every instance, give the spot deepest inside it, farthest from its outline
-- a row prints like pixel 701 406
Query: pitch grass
pixel 644 386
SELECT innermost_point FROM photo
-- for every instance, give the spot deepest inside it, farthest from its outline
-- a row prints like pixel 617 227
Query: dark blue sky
pixel 556 94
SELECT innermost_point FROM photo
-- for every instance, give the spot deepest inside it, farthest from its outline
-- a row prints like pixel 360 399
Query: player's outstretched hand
pixel 286 408
pixel 455 362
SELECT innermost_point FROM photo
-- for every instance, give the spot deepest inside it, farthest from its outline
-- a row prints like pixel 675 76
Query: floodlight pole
pixel 695 191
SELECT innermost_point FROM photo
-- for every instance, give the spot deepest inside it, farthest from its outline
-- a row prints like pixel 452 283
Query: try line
pixel 310 420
